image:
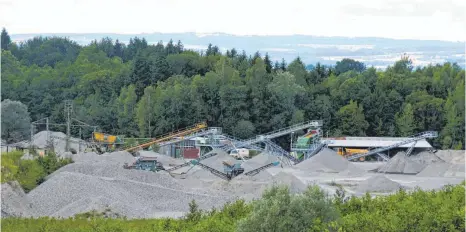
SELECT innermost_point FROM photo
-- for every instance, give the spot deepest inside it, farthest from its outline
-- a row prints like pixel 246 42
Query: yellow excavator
pixel 351 151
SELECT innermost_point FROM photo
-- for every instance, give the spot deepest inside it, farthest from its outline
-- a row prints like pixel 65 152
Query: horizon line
pixel 236 35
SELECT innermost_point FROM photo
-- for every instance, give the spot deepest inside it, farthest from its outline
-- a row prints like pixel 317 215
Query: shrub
pixel 279 210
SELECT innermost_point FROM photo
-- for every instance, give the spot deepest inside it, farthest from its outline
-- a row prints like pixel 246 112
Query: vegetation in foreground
pixel 29 173
pixel 278 210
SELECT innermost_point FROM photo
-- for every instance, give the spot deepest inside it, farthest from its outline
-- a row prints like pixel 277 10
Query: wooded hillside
pixel 125 88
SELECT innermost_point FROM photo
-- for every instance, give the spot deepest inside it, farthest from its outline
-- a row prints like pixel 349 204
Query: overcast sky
pixel 408 19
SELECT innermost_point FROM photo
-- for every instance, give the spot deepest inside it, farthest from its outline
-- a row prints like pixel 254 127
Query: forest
pixel 144 90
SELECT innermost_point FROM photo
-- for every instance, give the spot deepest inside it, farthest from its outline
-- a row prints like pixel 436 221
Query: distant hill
pixel 378 52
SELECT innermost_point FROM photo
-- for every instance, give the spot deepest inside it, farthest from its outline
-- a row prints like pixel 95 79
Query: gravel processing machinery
pixel 146 163
pixel 233 170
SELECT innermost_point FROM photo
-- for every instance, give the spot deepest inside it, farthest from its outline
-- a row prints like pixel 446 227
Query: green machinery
pixel 145 163
pixel 306 143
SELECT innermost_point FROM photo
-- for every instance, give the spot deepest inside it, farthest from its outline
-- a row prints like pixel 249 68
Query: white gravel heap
pixel 379 183
pixel 327 160
pixel 452 156
pixel 425 157
pixel 15 202
pixel 400 163
pixel 294 184
pixel 259 161
pixel 443 170
pixel 97 182
pixel 58 140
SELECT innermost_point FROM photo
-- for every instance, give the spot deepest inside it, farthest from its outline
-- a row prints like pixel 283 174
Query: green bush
pixel 279 210
pixel 441 210
pixel 29 173
pixel 10 163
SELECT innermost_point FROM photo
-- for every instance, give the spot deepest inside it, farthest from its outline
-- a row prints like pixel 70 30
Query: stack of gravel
pixel 378 183
pixel 401 164
pixel 167 161
pixel 69 193
pixel 259 161
pixel 294 184
pixel 452 156
pixel 15 202
pixel 58 140
pixel 426 158
pixel 328 161
pixel 443 169
pixel 451 165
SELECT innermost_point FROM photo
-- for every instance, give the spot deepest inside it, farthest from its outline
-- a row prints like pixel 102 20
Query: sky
pixel 398 19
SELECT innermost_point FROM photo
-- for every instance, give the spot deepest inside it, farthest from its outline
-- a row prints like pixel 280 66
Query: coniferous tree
pixel 5 39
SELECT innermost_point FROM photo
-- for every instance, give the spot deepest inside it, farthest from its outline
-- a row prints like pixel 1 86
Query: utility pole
pixel 148 107
pixel 68 110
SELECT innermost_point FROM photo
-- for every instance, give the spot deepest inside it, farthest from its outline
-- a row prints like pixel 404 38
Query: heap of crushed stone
pixel 425 157
pixel 216 161
pixel 400 163
pixel 138 196
pixel 378 183
pixel 166 160
pixel 452 156
pixel 120 157
pixel 58 140
pixel 15 203
pixel 328 161
pixel 443 169
pixel 259 161
pixel 294 184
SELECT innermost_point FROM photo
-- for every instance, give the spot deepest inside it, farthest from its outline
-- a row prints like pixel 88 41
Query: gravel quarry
pixel 99 182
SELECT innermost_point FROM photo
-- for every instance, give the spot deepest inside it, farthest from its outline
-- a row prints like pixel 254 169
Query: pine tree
pixel 268 63
pixel 283 65
pixel 179 47
pixel 6 40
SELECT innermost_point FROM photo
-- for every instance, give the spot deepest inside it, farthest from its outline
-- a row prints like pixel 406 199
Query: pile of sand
pixel 378 183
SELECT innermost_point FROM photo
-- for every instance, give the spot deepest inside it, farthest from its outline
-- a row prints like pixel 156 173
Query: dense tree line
pixel 125 88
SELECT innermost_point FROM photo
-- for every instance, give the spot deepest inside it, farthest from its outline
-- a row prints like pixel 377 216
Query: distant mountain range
pixel 377 52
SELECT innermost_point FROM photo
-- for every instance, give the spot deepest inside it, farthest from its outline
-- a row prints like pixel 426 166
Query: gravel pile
pixel 114 157
pixel 378 183
pixel 99 182
pixel 58 141
pixel 263 176
pixel 443 169
pixel 425 157
pixel 328 161
pixel 167 161
pixel 294 184
pixel 259 161
pixel 452 156
pixel 216 161
pixel 15 203
pixel 68 193
pixel 400 163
